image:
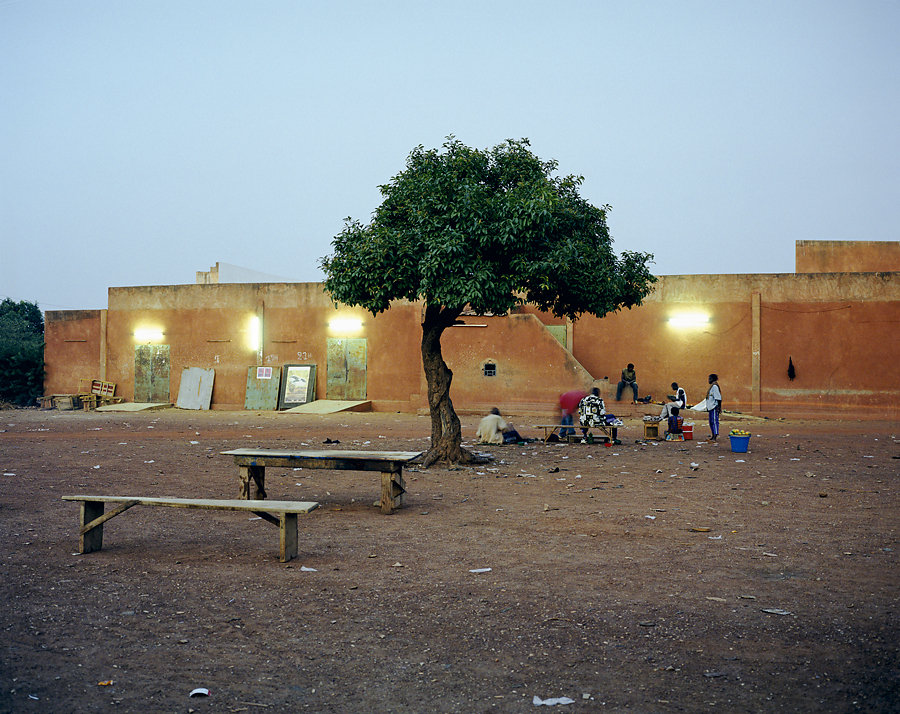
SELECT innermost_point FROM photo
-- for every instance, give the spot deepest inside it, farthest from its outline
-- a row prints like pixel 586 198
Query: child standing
pixel 714 405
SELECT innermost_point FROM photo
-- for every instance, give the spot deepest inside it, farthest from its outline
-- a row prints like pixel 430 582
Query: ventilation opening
pixel 490 369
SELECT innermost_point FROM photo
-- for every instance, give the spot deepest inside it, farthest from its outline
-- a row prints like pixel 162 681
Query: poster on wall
pixel 298 385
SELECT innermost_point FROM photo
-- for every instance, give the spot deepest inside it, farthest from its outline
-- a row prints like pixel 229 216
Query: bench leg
pixel 287 536
pixel 393 491
pixel 91 540
pixel 256 475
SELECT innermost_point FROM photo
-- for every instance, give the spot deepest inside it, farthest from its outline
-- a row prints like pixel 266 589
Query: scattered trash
pixel 97 466
pixel 398 564
pixel 106 683
pixel 480 570
pixel 716 599
pixel 700 529
pixel 194 442
pixel 739 461
pixel 537 701
pixel 712 675
pixel 331 441
pixel 8 473
pixel 776 611
pixel 747 597
pixel 718 537
pixel 304 569
pixel 771 555
pixel 651 518
pixel 200 692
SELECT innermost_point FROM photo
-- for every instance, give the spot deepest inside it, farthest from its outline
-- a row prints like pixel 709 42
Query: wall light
pixel 148 334
pixel 689 319
pixel 254 330
pixel 345 325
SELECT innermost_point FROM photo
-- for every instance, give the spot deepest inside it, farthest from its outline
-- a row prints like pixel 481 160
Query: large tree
pixel 486 228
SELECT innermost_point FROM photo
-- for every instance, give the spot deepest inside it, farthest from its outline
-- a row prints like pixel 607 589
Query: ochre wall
pixel 845 256
pixel 72 349
pixel 837 328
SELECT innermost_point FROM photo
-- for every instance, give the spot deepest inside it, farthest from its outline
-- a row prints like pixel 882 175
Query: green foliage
pixel 491 228
pixel 21 352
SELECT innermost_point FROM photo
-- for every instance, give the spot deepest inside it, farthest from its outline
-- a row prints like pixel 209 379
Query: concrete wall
pixel 832 327
pixel 846 256
pixel 836 328
pixel 73 350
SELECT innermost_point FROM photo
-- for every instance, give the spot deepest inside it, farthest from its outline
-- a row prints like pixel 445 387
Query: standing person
pixel 568 406
pixel 714 405
pixel 629 379
pixel 678 400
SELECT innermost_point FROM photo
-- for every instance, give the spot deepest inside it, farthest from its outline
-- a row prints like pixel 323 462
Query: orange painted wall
pixel 532 369
pixel 845 256
pixel 72 349
pixel 837 328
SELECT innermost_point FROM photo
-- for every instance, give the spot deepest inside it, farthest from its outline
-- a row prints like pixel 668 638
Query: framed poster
pixel 298 385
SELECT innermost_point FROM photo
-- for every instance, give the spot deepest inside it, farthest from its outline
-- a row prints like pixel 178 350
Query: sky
pixel 143 141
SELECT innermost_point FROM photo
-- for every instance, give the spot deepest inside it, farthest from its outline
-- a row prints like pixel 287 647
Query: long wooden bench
pixel 282 513
pixel 609 432
pixel 252 465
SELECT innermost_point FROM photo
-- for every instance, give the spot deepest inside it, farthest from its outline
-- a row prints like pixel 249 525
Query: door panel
pixel 346 369
pixel 151 373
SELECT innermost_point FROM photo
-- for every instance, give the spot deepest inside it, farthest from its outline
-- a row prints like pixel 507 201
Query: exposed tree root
pixel 452 454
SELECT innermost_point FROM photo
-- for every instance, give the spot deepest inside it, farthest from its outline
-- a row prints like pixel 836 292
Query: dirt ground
pixel 650 577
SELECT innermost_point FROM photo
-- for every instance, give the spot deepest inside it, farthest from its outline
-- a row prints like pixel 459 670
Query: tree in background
pixel 21 352
pixel 491 229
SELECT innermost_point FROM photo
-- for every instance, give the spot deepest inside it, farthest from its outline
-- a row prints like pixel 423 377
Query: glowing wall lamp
pixel 254 333
pixel 345 326
pixel 689 319
pixel 148 334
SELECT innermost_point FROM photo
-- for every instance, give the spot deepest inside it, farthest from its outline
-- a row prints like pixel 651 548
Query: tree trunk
pixel 446 432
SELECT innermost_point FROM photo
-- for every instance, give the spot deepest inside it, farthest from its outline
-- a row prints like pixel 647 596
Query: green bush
pixel 21 352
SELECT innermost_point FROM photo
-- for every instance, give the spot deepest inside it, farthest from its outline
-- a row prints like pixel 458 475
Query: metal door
pixel 346 370
pixel 151 373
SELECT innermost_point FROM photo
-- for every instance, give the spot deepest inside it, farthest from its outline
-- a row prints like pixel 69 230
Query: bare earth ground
pixel 599 589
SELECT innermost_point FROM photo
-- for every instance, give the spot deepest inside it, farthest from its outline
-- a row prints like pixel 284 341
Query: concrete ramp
pixel 133 407
pixel 330 406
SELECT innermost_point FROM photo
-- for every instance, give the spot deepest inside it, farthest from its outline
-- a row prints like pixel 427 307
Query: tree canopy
pixel 21 352
pixel 490 229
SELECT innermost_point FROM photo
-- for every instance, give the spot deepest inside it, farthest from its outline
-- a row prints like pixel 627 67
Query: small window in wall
pixel 490 369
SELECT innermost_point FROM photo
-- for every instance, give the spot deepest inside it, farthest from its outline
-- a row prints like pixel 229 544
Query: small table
pixel 252 467
pixel 610 433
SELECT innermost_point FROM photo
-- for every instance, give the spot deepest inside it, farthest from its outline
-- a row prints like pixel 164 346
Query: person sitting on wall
pixel 676 401
pixel 494 430
pixel 629 379
pixel 674 422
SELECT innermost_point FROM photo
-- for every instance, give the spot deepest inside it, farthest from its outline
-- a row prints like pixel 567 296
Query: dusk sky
pixel 144 141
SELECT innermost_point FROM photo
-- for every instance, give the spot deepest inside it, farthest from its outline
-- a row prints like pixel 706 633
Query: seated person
pixel 676 401
pixel 591 411
pixel 629 379
pixel 494 430
pixel 674 422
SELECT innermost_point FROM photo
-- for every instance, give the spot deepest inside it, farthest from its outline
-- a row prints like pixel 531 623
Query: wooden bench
pixel 252 468
pixel 610 433
pixel 93 517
